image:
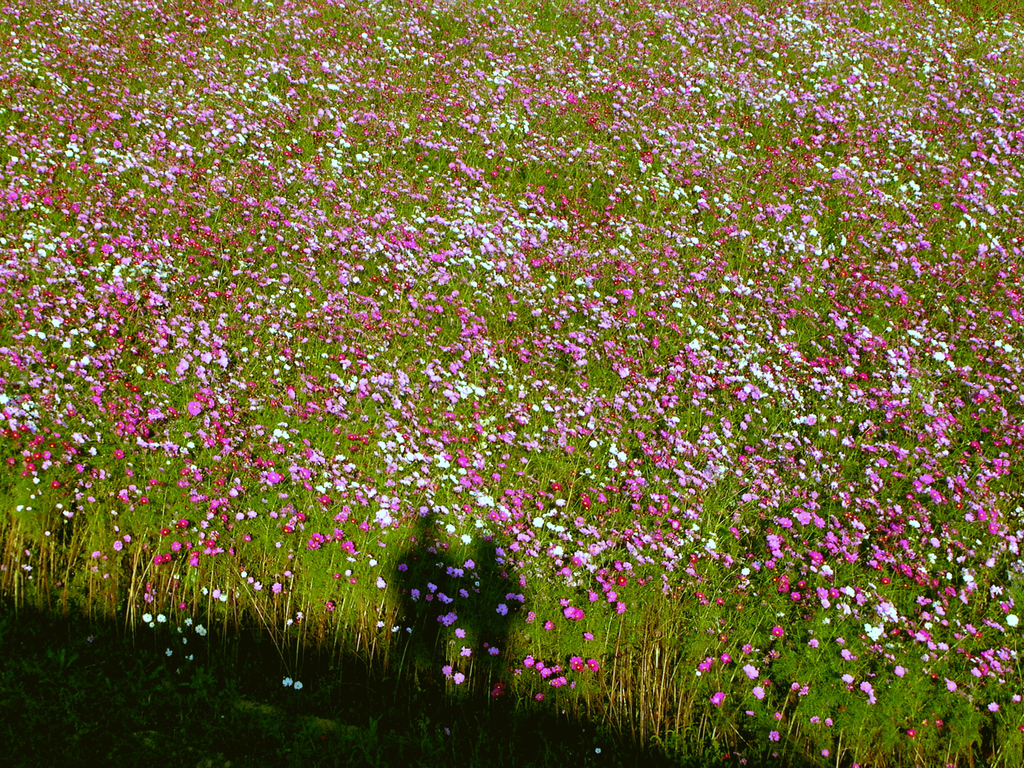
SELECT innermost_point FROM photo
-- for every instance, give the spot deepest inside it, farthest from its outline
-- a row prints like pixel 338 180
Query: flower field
pixel 659 362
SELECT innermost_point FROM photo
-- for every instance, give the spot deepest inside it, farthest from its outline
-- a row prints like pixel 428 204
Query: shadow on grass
pixel 77 692
pixel 434 589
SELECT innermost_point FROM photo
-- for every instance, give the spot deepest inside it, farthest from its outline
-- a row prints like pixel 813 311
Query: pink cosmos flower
pixel 194 408
pixel 718 699
pixel 866 688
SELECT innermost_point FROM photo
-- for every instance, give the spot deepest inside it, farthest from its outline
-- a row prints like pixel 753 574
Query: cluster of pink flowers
pixel 691 305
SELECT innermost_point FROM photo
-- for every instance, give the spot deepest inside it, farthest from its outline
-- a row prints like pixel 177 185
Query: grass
pixel 219 701
pixel 646 377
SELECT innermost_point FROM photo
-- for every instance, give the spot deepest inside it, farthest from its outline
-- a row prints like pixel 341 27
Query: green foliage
pixel 651 636
pixel 80 693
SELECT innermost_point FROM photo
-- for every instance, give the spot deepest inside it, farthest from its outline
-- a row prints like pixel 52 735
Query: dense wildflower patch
pixel 535 338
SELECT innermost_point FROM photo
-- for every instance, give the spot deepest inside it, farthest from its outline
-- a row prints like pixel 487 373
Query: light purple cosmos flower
pixel 866 688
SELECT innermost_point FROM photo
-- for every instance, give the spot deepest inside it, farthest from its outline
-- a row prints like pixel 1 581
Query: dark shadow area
pixel 80 692
pixel 455 616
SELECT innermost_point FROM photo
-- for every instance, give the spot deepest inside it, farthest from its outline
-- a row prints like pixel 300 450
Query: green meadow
pixel 615 383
